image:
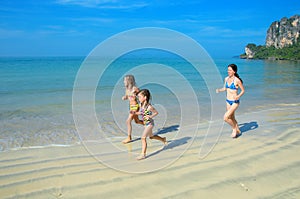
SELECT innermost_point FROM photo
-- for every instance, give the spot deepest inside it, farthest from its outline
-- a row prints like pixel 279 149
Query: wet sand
pixel 262 163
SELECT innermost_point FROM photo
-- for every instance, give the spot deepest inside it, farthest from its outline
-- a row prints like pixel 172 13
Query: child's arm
pixel 138 113
pixel 154 112
pixel 125 97
pixel 136 90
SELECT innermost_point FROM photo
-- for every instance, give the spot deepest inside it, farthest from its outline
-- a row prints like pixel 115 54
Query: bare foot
pixel 141 156
pixel 165 141
pixel 233 134
pixel 238 133
pixel 127 140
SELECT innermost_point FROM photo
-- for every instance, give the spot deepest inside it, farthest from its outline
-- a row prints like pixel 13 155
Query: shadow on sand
pixel 168 129
pixel 249 126
pixel 161 131
pixel 171 144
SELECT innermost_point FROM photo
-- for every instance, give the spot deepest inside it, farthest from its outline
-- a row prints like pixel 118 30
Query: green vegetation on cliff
pixel 291 52
pixel 282 41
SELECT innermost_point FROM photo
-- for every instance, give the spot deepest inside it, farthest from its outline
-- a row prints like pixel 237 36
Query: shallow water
pixel 36 94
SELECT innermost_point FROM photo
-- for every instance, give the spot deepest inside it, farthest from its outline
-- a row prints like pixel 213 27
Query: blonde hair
pixel 130 82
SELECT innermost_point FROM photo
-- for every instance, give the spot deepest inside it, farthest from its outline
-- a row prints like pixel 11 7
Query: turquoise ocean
pixel 36 95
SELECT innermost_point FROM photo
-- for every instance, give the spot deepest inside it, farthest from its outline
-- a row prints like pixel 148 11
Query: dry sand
pixel 262 163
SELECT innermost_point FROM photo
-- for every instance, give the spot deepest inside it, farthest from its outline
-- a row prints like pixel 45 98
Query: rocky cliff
pixel 282 41
pixel 284 33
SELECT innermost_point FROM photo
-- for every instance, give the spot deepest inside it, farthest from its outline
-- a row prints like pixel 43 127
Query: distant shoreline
pixel 268 58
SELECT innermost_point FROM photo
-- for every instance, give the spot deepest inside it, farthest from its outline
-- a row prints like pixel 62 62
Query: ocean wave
pixel 39 147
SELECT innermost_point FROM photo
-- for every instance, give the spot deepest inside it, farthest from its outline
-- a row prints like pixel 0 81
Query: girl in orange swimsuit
pixel 131 91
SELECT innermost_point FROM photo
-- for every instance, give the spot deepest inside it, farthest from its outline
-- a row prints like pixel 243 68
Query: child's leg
pixel 137 120
pixel 157 137
pixel 144 145
pixel 129 128
pixel 146 133
pixel 144 149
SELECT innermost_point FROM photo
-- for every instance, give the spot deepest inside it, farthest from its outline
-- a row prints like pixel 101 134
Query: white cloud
pixel 214 31
pixel 105 4
pixel 94 20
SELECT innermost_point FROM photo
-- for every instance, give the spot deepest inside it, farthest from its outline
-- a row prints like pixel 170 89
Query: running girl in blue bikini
pixel 231 84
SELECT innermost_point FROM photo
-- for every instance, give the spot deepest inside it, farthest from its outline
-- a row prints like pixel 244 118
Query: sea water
pixel 36 94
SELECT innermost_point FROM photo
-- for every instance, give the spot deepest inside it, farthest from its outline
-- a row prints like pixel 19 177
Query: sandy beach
pixel 262 163
pixel 66 103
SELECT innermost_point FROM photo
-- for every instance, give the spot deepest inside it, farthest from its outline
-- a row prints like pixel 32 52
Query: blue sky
pixel 75 27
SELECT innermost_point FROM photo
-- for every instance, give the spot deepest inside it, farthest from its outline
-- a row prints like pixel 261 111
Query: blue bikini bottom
pixel 230 102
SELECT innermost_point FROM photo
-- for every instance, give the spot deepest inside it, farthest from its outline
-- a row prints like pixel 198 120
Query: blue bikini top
pixel 232 85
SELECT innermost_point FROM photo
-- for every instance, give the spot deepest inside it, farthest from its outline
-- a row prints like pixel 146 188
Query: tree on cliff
pixel 282 41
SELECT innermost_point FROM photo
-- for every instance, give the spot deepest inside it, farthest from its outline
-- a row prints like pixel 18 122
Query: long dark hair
pixel 146 92
pixel 235 69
